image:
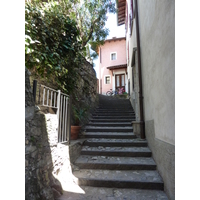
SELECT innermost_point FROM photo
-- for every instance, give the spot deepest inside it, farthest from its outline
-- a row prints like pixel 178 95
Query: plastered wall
pixel 111 46
pixel 157 42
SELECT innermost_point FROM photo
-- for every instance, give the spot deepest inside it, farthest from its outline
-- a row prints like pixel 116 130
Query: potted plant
pixel 79 114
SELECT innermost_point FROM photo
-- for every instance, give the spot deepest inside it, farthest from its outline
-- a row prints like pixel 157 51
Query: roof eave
pixel 121 4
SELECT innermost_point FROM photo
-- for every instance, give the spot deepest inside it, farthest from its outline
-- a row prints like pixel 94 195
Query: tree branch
pixel 91 32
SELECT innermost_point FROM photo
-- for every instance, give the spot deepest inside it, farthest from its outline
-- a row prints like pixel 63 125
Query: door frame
pixel 120 75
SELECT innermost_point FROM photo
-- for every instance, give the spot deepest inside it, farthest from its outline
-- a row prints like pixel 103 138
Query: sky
pixel 115 31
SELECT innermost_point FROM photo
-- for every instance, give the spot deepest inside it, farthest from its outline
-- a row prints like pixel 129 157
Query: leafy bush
pixel 57 35
pixel 52 45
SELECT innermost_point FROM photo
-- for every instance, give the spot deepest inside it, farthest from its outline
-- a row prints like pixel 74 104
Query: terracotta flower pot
pixel 74 132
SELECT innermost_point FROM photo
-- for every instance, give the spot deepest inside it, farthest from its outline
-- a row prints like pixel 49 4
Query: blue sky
pixel 115 31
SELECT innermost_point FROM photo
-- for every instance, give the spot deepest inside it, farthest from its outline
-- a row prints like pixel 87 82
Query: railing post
pixel 43 96
pixel 69 120
pixel 58 109
pixel 39 95
pixel 34 89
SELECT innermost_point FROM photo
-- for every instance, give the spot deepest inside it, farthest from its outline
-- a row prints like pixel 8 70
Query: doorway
pixel 120 81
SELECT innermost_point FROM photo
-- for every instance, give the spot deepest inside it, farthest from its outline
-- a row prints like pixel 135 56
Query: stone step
pixel 138 179
pixel 94 193
pixel 117 101
pixel 116 151
pixel 115 163
pixel 114 117
pixel 111 120
pixel 111 107
pixel 107 129
pixel 94 142
pixel 113 98
pixel 115 135
pixel 114 114
pixel 108 124
pixel 114 110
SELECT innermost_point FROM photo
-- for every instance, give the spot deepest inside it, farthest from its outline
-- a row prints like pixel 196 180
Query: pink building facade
pixel 112 65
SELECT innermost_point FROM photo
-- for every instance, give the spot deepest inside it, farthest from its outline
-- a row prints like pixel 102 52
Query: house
pixel 112 65
pixel 150 55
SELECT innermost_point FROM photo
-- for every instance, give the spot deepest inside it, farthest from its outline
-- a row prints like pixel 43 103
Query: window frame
pixel 105 79
pixel 111 55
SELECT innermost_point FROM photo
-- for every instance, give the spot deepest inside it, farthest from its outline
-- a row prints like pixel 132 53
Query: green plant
pixel 32 139
pixel 79 114
pixel 52 43
pixel 58 34
pixel 125 94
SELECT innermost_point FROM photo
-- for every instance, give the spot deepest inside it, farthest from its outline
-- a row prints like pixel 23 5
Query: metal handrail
pixel 48 87
pixel 60 101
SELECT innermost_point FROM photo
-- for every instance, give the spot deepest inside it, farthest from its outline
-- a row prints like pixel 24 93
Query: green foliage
pixel 32 139
pixel 57 35
pixel 79 114
pixel 52 45
pixel 91 18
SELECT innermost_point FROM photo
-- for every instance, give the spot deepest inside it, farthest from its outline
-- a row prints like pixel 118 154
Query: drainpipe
pixel 142 125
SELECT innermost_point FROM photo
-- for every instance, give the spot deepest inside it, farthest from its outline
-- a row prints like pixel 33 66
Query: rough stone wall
pixel 62 154
pixel 39 181
pixel 85 93
pixel 46 161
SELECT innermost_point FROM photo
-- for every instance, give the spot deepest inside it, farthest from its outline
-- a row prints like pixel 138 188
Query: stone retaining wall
pixel 39 181
pixel 48 164
pixel 85 92
pixel 63 155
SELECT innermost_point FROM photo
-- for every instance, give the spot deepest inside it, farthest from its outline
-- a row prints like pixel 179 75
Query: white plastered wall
pixel 157 41
pixel 131 40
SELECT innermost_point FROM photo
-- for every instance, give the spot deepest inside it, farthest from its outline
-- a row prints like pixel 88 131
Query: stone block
pixel 136 127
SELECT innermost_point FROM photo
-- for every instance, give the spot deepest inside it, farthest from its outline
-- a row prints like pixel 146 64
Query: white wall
pixel 131 40
pixel 157 41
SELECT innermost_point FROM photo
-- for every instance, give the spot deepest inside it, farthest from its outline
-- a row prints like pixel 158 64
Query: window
pixel 113 56
pixel 107 79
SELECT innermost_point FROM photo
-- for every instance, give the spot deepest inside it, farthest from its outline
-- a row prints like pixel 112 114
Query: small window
pixel 107 79
pixel 113 56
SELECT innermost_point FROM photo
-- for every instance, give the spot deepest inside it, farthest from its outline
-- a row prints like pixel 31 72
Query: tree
pixel 52 43
pixel 57 35
pixel 91 18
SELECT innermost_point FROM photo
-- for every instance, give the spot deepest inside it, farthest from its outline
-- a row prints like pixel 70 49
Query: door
pixel 120 81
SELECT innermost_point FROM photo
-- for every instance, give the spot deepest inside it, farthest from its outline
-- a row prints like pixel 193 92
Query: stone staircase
pixel 114 159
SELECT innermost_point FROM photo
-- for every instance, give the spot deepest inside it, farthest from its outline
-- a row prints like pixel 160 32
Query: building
pixel 112 65
pixel 150 55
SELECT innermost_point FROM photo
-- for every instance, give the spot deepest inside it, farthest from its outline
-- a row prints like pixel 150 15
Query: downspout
pixel 142 124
